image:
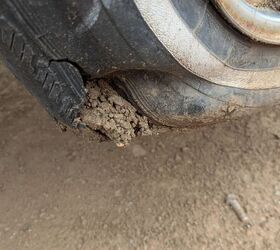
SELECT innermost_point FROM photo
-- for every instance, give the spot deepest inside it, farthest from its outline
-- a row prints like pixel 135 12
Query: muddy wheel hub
pixel 261 24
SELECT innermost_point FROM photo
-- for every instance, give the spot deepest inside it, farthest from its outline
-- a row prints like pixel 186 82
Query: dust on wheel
pixel 169 64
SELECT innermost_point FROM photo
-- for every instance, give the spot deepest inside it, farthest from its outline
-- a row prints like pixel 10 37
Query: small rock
pixel 233 201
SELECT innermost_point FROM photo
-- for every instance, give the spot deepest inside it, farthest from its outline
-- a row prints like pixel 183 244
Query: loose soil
pixel 59 191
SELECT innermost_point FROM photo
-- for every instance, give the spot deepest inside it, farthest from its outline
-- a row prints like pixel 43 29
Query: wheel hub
pixel 259 23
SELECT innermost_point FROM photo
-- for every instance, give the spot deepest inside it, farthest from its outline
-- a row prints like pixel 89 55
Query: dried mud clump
pixel 110 114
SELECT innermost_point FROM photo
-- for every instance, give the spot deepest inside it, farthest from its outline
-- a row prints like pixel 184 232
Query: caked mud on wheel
pixel 144 101
pixel 189 101
pixel 170 63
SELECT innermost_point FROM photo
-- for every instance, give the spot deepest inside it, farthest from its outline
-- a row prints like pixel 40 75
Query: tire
pixel 58 85
pixel 53 47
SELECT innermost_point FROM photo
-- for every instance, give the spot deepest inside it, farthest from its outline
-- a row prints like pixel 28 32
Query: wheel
pixel 179 62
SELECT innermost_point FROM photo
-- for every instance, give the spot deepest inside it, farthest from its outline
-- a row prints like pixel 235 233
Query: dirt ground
pixel 59 191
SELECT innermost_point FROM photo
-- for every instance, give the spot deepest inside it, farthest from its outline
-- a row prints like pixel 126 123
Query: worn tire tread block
pixel 58 85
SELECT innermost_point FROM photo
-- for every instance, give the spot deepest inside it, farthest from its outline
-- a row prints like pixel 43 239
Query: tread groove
pixel 11 46
pixel 22 52
pixel 57 84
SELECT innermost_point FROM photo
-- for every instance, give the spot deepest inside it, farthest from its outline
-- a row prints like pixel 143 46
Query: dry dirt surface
pixel 60 191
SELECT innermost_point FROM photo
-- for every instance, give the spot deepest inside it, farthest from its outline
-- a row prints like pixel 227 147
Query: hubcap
pixel 261 24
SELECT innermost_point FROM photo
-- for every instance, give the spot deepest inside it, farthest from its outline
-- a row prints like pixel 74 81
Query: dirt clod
pixel 109 113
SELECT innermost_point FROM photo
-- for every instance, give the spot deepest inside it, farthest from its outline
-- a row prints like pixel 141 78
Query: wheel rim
pixel 258 23
pixel 181 42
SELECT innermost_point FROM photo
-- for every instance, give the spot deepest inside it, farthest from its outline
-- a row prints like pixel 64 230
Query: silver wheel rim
pixel 258 23
pixel 182 44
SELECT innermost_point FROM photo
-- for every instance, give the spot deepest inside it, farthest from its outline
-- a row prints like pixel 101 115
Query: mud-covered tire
pixel 54 46
pixel 189 101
